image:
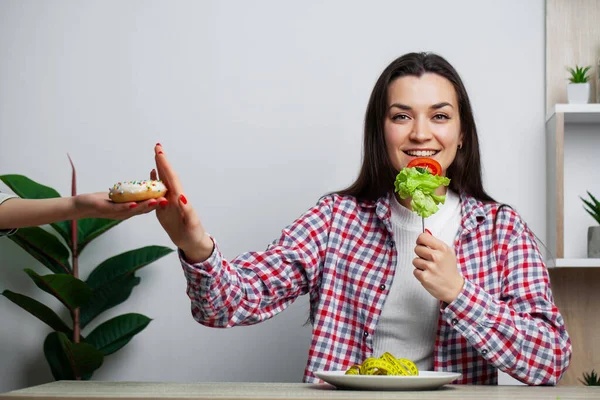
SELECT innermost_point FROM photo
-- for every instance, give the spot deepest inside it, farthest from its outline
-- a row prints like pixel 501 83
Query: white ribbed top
pixel 408 321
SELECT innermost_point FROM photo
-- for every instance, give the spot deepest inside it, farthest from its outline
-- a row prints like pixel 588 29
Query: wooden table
pixel 283 391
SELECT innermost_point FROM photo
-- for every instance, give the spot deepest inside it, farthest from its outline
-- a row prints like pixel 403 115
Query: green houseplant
pixel 579 74
pixel 592 207
pixel 578 89
pixel 590 379
pixel 71 355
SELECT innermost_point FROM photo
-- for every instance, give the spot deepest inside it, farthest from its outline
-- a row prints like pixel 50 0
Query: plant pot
pixel 578 93
pixel 593 246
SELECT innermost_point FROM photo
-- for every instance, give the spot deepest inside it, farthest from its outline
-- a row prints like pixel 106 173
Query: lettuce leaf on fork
pixel 420 184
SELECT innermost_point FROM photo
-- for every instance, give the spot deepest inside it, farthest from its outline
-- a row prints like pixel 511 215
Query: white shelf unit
pixel 566 120
pixel 577 113
pixel 577 263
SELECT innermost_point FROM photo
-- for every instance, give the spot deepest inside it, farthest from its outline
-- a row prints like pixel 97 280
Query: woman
pixel 475 299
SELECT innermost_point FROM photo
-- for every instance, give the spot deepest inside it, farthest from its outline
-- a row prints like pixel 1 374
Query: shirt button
pixel 365 334
pixel 391 243
pixel 382 287
pixel 454 321
pixel 484 352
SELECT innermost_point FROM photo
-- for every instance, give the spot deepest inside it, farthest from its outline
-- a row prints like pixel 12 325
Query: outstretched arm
pixel 20 213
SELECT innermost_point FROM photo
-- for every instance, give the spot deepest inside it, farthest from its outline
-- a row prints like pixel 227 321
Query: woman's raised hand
pixel 177 217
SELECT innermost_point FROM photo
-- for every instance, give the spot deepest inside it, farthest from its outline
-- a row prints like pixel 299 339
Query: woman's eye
pixel 440 116
pixel 400 117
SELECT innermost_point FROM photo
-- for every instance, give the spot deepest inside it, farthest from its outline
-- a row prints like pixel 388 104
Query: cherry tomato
pixel 428 163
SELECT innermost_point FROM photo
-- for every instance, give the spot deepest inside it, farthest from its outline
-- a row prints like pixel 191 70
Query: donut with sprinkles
pixel 123 192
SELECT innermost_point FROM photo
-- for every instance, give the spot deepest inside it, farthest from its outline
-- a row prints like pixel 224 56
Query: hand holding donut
pixel 177 217
pixel 98 205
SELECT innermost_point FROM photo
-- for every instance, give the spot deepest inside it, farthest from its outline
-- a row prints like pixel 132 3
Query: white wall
pixel 259 106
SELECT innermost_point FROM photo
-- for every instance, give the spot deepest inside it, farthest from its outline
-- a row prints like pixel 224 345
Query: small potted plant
pixel 592 206
pixel 578 90
pixel 590 379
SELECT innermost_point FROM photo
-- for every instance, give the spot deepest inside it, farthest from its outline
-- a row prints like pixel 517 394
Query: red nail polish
pixel 163 203
pixel 153 203
pixel 183 199
pixel 133 205
pixel 160 152
pixel 158 144
pixel 428 231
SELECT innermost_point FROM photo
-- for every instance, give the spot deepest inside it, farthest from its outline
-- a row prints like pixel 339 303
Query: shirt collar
pixel 473 213
pixel 384 211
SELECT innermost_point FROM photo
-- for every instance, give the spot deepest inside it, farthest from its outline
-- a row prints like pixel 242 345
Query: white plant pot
pixel 578 93
pixel 593 247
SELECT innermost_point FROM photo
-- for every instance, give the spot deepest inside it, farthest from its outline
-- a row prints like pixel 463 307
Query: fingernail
pixel 163 203
pixel 160 152
pixel 133 205
pixel 153 203
pixel 183 199
pixel 428 231
pixel 158 144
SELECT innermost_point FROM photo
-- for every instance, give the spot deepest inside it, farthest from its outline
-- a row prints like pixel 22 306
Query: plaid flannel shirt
pixel 341 252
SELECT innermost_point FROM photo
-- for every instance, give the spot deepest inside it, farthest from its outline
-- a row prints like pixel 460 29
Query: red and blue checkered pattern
pixel 341 252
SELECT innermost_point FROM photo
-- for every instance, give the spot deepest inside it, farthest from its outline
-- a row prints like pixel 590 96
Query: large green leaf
pixel 66 288
pixel 27 188
pixel 70 360
pixel 107 296
pixel 90 228
pixel 44 247
pixel 38 310
pixel 115 333
pixel 113 280
pixel 57 359
pixel 124 264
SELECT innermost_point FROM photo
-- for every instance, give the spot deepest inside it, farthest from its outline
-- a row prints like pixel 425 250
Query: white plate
pixel 426 380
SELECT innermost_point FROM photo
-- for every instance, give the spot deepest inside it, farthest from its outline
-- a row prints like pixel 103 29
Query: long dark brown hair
pixel 377 175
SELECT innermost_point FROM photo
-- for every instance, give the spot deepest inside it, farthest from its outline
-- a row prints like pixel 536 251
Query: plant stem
pixel 75 262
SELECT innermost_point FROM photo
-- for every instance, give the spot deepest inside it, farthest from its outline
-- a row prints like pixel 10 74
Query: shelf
pixel 577 113
pixel 577 263
pixel 568 121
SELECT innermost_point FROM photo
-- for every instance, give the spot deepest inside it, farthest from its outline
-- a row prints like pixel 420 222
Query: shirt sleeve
pixel 522 333
pixel 3 198
pixel 255 286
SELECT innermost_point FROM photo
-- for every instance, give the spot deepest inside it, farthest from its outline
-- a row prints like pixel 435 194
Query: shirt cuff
pixel 208 268
pixel 8 233
pixel 3 198
pixel 206 285
pixel 470 306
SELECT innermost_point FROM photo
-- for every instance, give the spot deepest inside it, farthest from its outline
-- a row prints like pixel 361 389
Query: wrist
pixel 456 292
pixel 199 252
pixel 74 209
